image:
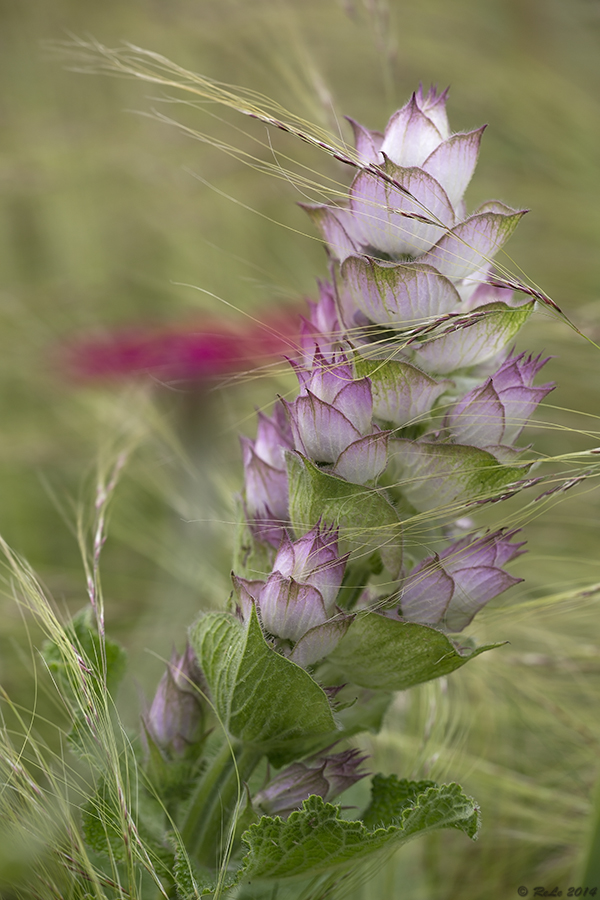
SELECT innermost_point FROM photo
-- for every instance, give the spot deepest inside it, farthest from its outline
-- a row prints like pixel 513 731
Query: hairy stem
pixel 207 822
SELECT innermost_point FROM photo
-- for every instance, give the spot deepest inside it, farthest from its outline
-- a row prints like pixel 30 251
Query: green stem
pixel 206 826
pixel 355 581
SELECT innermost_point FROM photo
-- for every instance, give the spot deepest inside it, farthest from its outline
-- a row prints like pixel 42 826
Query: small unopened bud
pixel 325 776
pixel 174 720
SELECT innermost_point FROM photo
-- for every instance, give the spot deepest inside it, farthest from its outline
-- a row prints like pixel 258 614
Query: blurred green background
pixel 103 224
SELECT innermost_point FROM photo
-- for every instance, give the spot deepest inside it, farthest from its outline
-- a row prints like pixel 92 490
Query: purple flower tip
pixel 322 328
pixel 265 476
pixel 496 412
pixel 331 419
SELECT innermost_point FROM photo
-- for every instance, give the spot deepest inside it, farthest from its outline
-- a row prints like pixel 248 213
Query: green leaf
pixel 116 833
pixel 367 520
pixel 356 710
pixel 385 654
pixel 440 476
pixel 251 558
pixel 85 657
pixel 315 839
pixel 103 828
pixel 193 881
pixel 172 779
pixel 365 713
pixel 390 796
pixel 262 698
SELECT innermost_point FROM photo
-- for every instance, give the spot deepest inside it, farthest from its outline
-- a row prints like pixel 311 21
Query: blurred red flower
pixel 205 350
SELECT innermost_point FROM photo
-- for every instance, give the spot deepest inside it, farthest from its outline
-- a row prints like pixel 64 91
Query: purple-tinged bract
pixel 415 209
pixel 448 589
pixel 296 603
pixel 498 410
pixel 321 330
pixel 331 420
pixel 265 476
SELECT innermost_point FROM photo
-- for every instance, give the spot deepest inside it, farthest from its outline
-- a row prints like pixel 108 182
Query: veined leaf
pixel 389 655
pixel 315 839
pixel 433 476
pixel 262 698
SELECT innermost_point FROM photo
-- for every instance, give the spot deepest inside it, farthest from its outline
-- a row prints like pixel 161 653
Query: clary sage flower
pixel 438 410
pixel 416 212
pixel 407 413
pixel 497 411
pixel 448 589
pixel 296 604
pixel 331 420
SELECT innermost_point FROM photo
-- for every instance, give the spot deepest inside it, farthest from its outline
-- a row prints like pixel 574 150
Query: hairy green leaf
pixel 87 669
pixel 490 329
pixel 315 839
pixel 118 829
pixel 262 698
pixel 390 796
pixel 193 881
pixel 385 654
pixel 104 660
pixel 103 827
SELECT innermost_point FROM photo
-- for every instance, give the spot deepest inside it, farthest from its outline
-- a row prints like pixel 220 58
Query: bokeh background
pixel 111 217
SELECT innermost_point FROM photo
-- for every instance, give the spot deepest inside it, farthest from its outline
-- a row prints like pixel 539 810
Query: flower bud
pixel 321 330
pixel 325 776
pixel 265 476
pixel 174 720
